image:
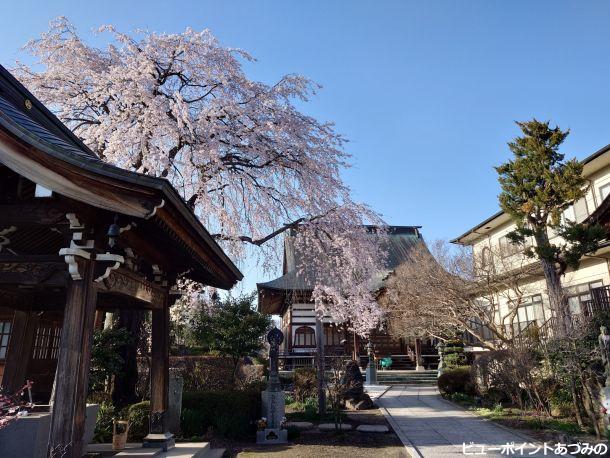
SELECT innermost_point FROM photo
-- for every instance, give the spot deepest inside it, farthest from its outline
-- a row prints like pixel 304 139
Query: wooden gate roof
pixel 35 144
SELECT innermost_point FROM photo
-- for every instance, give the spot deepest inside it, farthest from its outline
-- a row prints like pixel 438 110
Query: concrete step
pixel 215 453
pixel 391 377
pixel 181 450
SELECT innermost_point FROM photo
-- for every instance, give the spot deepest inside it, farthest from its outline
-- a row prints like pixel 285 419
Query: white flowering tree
pixel 242 155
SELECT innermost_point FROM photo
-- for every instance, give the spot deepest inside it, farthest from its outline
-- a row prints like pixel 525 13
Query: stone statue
pixel 604 346
pixel 441 363
pixel 275 337
pixel 273 396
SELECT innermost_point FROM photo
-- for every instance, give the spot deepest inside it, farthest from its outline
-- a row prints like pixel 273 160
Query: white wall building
pixel 488 241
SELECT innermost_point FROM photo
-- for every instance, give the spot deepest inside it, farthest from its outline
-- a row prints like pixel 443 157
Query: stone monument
pixel 353 388
pixel 371 368
pixel 174 402
pixel 273 397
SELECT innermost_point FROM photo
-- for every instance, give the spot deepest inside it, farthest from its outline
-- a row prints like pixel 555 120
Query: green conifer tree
pixel 538 185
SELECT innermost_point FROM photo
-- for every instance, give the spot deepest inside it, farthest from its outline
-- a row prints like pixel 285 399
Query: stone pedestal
pixel 272 436
pixel 371 374
pixel 273 411
pixel 164 441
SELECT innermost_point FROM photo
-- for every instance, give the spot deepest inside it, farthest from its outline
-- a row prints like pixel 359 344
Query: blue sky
pixel 427 92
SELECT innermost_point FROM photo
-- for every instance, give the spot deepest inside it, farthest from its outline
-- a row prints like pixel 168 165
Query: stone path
pixel 375 391
pixel 430 426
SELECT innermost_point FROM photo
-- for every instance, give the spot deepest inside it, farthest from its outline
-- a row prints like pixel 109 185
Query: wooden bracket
pixel 155 208
pixel 4 240
pixel 79 248
pixel 107 262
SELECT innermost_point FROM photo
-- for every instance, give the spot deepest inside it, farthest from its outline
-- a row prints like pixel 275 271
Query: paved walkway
pixel 432 427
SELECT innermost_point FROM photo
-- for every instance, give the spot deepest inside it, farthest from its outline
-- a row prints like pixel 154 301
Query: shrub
pixel 513 374
pixel 103 424
pixel 138 416
pixel 191 422
pixel 231 413
pixel 305 383
pixel 106 357
pixel 203 373
pixel 462 398
pixel 456 380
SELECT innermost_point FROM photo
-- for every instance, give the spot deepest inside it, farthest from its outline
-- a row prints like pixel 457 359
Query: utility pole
pixel 320 366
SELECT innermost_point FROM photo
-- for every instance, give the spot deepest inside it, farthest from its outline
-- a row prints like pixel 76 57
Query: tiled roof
pixel 300 277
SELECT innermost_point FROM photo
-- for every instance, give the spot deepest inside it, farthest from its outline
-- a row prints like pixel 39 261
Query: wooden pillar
pixel 72 375
pixel 159 435
pixel 19 352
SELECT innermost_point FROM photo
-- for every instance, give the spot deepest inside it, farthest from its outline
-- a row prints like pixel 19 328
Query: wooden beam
pixel 45 212
pixel 68 412
pixel 46 271
pixel 127 283
pixel 19 351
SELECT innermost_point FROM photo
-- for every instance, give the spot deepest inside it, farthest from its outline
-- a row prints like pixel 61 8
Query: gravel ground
pixel 313 443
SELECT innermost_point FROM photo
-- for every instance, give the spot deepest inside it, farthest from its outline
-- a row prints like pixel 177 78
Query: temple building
pixel 289 297
pixel 79 237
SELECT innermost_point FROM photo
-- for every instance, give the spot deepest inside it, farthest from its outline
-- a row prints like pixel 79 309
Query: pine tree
pixel 538 185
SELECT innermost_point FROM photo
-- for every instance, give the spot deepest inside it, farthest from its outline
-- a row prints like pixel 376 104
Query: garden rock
pixel 331 427
pixel 353 382
pixel 363 404
pixel 372 429
pixel 299 424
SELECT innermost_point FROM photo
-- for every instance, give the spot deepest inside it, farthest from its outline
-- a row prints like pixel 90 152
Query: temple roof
pixel 299 277
pixel 37 145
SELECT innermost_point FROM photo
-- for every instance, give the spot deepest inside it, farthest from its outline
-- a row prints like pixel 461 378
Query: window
pixel 581 211
pixel 5 333
pixel 530 309
pixel 508 248
pixel 304 337
pixel 332 336
pixel 568 215
pixel 579 294
pixel 46 344
pixel 485 257
pixel 604 190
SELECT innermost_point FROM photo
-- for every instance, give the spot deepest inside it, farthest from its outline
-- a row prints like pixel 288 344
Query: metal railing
pixel 600 301
pixel 293 361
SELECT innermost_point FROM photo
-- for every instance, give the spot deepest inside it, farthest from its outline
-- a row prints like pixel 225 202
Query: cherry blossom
pixel 241 154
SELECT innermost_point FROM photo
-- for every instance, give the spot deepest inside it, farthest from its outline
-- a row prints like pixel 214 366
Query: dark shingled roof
pixel 298 277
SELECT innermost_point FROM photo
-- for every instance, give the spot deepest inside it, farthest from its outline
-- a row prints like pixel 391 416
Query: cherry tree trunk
pixel 124 386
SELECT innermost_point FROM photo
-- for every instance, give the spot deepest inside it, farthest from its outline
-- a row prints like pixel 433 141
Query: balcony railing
pixel 600 301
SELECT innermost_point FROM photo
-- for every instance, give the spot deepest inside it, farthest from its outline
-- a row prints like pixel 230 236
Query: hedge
pixel 231 414
pixel 456 380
